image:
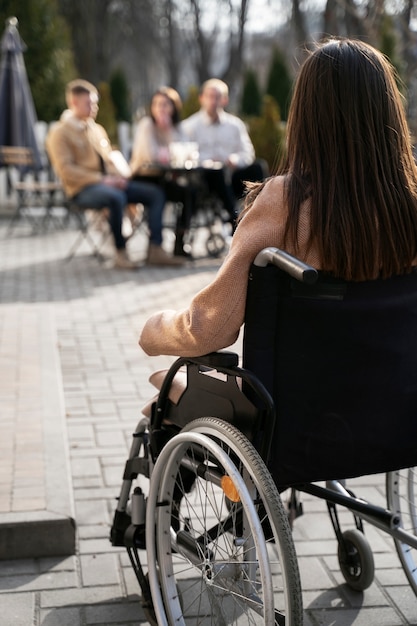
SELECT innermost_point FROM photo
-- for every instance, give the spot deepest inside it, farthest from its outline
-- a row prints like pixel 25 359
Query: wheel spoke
pixel 216 564
pixel 401 497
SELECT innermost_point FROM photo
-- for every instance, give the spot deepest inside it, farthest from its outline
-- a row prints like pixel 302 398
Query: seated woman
pixel 345 200
pixel 151 153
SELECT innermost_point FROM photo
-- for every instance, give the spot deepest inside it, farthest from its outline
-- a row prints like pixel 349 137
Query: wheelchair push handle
pixel 288 263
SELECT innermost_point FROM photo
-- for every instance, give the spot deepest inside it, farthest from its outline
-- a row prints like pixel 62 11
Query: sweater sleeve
pixel 61 152
pixel 145 147
pixel 216 314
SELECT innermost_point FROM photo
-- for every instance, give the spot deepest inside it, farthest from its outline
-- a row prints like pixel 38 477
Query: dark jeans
pixel 177 193
pixel 231 191
pixel 255 172
pixel 100 196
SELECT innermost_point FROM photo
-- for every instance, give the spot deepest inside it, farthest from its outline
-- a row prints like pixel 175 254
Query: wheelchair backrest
pixel 340 361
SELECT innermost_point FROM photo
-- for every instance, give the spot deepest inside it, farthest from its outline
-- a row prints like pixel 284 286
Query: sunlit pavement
pixel 91 314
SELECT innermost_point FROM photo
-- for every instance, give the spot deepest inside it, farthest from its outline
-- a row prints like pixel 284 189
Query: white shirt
pixel 222 140
pixel 147 144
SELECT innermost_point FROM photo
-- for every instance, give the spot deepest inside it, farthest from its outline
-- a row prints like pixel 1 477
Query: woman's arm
pixel 145 147
pixel 216 313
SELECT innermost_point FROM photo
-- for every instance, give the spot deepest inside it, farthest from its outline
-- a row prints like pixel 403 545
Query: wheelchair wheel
pixel 220 549
pixel 215 244
pixel 356 560
pixel 401 489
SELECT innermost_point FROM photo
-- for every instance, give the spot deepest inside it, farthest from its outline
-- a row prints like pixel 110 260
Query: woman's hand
pixel 164 156
pixel 115 181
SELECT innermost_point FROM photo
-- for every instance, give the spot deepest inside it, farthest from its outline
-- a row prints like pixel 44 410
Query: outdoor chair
pixel 92 229
pixel 37 190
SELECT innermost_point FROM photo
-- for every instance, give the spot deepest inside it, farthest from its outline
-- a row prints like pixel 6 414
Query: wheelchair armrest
pixel 213 360
pixel 288 263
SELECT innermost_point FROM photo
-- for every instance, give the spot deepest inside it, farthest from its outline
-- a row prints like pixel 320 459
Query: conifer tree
pixel 48 56
pixel 279 83
pixel 120 95
pixel 251 96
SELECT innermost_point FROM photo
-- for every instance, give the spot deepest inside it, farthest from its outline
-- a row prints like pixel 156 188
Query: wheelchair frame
pixel 208 215
pixel 212 448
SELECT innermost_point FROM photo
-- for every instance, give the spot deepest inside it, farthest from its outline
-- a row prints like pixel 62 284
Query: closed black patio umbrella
pixel 17 111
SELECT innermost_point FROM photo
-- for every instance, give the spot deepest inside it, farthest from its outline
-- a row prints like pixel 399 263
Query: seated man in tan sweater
pixel 81 154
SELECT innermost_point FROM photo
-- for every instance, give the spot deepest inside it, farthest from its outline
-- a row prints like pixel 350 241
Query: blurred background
pixel 128 48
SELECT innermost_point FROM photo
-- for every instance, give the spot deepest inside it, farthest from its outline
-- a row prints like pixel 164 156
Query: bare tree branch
pixel 298 23
pixel 89 30
pixel 237 44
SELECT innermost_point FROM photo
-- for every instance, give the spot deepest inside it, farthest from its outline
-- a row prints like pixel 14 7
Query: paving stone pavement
pixel 98 313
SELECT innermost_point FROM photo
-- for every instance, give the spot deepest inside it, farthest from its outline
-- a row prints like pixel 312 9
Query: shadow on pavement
pixel 34 269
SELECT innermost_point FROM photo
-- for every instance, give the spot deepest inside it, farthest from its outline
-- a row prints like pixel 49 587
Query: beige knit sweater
pixel 216 314
pixel 147 144
pixel 74 147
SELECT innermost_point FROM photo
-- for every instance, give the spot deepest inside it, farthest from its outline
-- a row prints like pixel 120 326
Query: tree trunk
pixel 237 44
pixel 298 23
pixel 88 22
pixel 331 24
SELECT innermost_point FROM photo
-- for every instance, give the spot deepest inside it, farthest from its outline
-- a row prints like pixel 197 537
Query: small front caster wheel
pixel 356 560
pixel 215 245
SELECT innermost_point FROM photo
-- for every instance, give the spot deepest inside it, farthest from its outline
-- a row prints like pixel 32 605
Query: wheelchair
pixel 209 213
pixel 327 389
pixel 209 216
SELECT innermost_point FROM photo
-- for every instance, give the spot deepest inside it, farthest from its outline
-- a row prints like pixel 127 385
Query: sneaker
pixel 180 250
pixel 158 256
pixel 122 261
pixel 184 254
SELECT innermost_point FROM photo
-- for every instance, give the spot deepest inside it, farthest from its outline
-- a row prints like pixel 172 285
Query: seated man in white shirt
pixel 223 138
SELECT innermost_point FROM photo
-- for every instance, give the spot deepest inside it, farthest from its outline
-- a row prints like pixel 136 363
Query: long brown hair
pixel 174 98
pixel 349 153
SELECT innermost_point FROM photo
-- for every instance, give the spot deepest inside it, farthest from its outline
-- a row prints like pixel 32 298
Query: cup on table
pixel 184 154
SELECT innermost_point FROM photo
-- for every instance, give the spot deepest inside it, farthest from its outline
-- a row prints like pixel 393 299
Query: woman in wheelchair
pixel 344 202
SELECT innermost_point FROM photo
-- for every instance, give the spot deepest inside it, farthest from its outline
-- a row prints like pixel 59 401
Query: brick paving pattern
pixel 97 314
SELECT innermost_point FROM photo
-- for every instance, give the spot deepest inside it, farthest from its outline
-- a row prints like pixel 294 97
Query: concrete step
pixel 36 498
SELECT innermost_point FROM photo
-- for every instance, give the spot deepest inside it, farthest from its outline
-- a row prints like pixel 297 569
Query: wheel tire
pixel 218 563
pixel 215 245
pixel 358 568
pixel 401 489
